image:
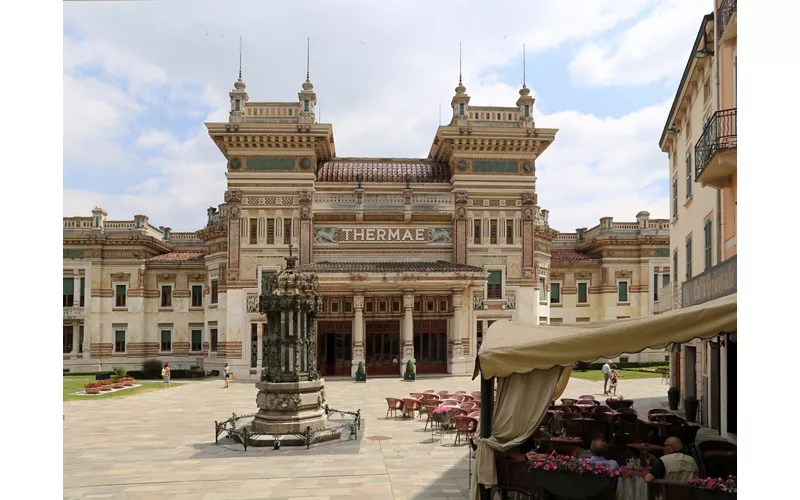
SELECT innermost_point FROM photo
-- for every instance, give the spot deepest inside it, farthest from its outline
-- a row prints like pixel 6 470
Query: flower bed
pixel 105 386
pixel 715 488
pixel 574 478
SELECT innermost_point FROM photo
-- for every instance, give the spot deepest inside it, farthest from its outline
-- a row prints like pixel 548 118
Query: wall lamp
pixel 672 130
pixel 700 54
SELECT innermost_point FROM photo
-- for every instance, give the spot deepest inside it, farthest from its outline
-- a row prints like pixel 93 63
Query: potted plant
pixel 617 402
pixel 117 383
pixel 673 394
pixel 361 373
pixel 127 381
pixel 119 372
pixel 690 408
pixel 92 388
pixel 410 373
pixel 710 488
pixel 441 415
pixel 573 478
pixel 105 385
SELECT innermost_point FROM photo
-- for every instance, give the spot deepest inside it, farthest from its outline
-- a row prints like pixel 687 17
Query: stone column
pixel 458 335
pixel 76 292
pixel 76 332
pixel 358 331
pixel 306 227
pixel 460 229
pixel 407 341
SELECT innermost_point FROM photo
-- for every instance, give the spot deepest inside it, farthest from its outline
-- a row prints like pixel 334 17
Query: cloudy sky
pixel 140 78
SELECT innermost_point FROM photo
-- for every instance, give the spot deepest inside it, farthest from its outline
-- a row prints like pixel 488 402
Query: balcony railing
pixel 718 135
pixel 726 11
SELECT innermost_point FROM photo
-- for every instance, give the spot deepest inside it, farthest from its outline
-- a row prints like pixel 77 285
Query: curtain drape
pixel 561 386
pixel 522 401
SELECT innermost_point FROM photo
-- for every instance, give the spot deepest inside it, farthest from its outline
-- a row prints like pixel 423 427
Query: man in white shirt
pixel 606 373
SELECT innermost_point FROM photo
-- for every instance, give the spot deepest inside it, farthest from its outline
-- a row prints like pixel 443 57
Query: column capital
pixel 408 300
pixel 358 301
pixel 458 299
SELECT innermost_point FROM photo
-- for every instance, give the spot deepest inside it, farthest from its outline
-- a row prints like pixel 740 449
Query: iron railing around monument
pixel 234 429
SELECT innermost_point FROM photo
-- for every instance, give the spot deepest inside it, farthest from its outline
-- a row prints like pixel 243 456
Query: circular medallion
pixel 462 165
pixel 528 166
pixel 305 163
pixel 235 163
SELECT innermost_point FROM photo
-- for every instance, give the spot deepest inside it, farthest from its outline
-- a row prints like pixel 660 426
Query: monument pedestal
pixel 290 407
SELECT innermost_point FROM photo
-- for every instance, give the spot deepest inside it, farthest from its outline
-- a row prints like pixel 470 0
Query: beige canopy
pixel 510 347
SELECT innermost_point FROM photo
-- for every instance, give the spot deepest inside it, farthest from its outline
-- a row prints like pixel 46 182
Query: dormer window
pixel 237 105
pixel 527 110
pixel 461 109
pixel 305 104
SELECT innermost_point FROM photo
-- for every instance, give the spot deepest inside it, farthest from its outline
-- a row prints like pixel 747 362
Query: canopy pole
pixel 487 401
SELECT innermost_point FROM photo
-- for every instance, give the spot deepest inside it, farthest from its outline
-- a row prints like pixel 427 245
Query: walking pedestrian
pixel 613 378
pixel 226 372
pixel 606 374
pixel 166 374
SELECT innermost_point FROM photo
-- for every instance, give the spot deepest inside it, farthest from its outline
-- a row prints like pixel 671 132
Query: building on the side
pixel 415 257
pixel 700 139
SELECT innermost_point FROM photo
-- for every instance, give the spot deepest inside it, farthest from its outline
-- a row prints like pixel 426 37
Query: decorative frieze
pixel 511 300
pixel 477 300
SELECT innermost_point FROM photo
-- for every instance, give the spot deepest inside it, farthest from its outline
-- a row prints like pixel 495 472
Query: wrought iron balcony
pixel 715 152
pixel 726 12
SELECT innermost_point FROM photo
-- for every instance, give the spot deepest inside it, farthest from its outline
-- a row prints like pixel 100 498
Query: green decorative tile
pixel 270 164
pixel 495 167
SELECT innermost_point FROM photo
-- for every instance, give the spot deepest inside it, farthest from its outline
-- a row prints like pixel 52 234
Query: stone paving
pixel 160 444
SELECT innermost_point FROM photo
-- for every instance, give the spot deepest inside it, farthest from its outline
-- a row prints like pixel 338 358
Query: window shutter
pixel 69 286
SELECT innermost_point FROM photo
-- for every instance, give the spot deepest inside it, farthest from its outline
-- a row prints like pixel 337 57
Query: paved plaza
pixel 161 445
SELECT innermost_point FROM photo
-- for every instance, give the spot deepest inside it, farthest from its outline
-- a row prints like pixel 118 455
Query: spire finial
pixel 240 58
pixel 523 65
pixel 308 58
pixel 459 63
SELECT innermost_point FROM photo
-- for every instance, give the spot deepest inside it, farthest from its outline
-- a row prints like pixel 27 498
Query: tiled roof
pixel 382 170
pixel 568 255
pixel 179 257
pixel 388 267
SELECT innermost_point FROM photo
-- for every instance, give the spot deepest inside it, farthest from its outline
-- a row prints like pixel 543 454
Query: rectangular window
pixel 461 109
pixel 493 231
pixel 555 293
pixel 253 231
pixel 707 236
pixel 214 340
pixel 477 229
pixel 675 266
pixel 583 292
pixel 83 292
pixel 69 292
pixel 270 231
pixel 120 296
pixel 238 104
pixel 688 174
pixel 509 232
pixel 396 306
pixel 166 340
pixel 479 333
pixel 287 231
pixel 665 279
pixel 707 91
pixel 197 295
pixel 688 258
pixel 197 341
pixel 166 296
pixel 382 306
pixel 494 288
pixel 348 306
pixel 622 291
pixel 369 306
pixel 674 197
pixel 80 338
pixel 119 341
pixel 214 291
pixel 527 110
pixel 429 306
pixel 542 290
pixel 68 339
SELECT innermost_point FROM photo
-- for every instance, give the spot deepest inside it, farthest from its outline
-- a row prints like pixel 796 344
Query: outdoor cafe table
pixel 585 407
pixel 631 484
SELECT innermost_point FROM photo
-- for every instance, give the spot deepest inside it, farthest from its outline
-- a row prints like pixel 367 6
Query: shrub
pixel 360 368
pixel 119 372
pixel 152 368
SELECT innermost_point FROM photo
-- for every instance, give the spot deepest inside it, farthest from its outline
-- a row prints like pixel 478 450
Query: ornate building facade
pixel 415 257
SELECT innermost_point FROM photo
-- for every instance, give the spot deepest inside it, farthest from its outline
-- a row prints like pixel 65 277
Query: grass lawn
pixel 597 375
pixel 75 384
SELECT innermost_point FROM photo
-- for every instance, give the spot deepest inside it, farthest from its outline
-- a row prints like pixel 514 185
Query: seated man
pixel 674 465
pixel 600 451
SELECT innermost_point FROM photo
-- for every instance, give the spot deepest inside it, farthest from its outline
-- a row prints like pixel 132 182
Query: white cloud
pixel 381 71
pixel 654 48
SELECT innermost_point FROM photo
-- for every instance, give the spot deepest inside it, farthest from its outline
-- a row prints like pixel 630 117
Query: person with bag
pixel 166 375
pixel 226 373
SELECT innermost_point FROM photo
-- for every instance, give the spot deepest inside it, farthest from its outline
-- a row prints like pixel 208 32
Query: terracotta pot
pixel 92 390
pixel 105 388
pixel 118 386
pixel 128 384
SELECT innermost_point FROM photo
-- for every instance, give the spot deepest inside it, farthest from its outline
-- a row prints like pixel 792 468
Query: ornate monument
pixel 291 395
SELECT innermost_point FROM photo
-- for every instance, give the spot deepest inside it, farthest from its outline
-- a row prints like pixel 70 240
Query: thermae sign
pixel 394 235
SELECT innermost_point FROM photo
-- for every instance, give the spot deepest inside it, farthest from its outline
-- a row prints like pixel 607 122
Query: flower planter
pixel 442 418
pixel 92 390
pixel 566 486
pixel 118 386
pixel 105 388
pixel 714 495
pixel 616 404
pixel 128 384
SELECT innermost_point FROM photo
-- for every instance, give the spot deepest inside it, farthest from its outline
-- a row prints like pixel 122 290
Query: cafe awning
pixel 510 347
